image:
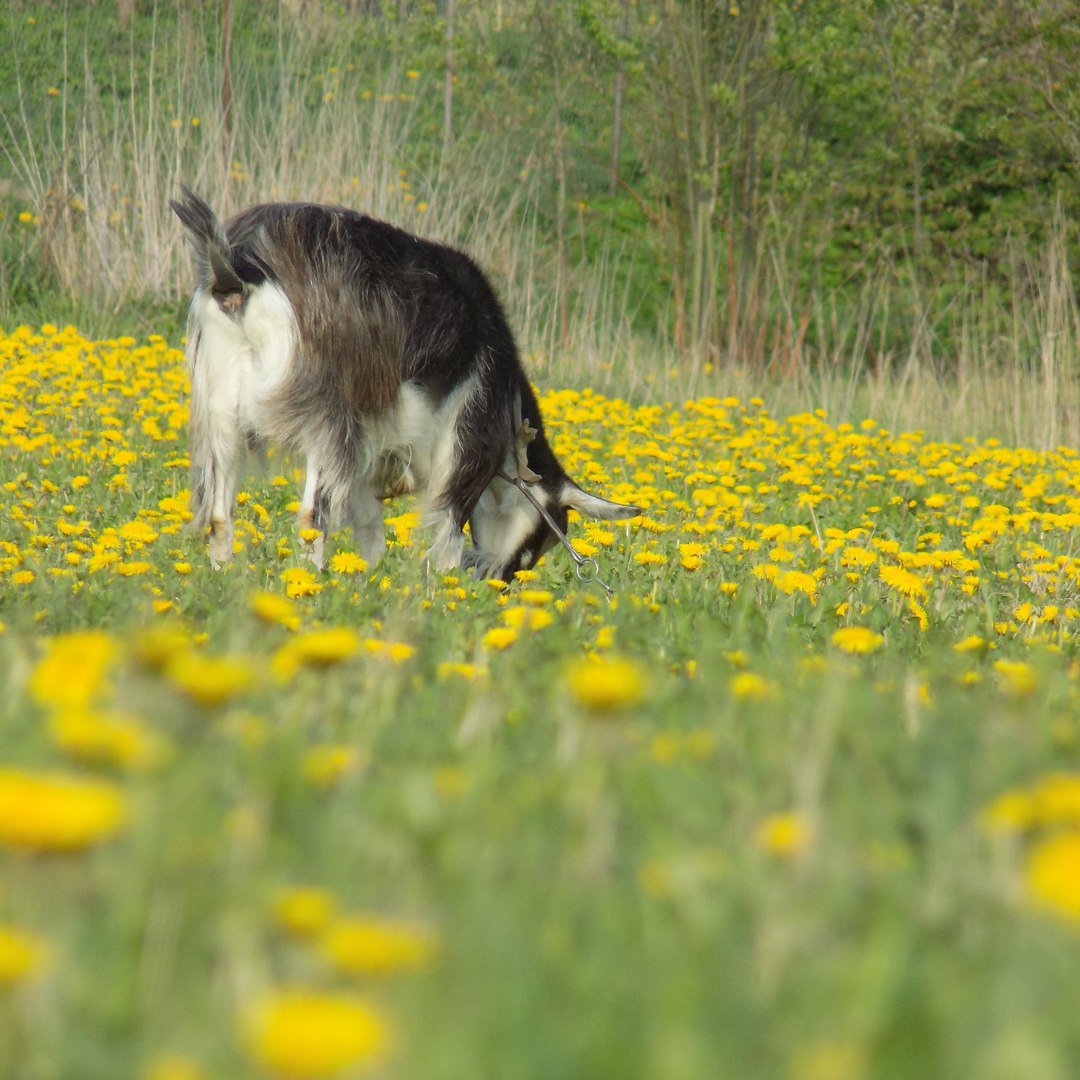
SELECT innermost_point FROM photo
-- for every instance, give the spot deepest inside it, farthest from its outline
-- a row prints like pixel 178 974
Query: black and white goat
pixel 387 360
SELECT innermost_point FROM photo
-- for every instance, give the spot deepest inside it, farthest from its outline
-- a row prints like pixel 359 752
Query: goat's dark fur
pixel 387 359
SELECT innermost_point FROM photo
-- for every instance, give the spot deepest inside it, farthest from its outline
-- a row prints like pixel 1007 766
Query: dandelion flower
pixel 608 684
pixel 1053 875
pixel 902 581
pixel 299 581
pixel 208 680
pixel 274 608
pixel 156 645
pixel 748 686
pixel 324 766
pixel 786 835
pixel 56 811
pixel 1017 677
pixel 499 637
pixel 397 651
pixel 306 1034
pixel 316 649
pixel 793 581
pixel 304 911
pixel 345 562
pixel 73 670
pixel 376 946
pixel 1010 812
pixel 23 956
pixel 107 738
pixel 449 669
pixel 857 639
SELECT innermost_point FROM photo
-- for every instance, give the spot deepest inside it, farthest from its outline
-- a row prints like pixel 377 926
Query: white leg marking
pixel 448 546
pixel 221 525
pixel 315 550
pixel 367 522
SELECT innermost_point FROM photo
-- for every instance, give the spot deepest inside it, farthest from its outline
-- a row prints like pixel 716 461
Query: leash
pixel 587 569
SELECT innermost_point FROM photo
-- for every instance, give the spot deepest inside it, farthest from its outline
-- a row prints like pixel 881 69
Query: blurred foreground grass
pixel 803 800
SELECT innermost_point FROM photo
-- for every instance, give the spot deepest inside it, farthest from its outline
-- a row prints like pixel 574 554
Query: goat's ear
pixel 573 498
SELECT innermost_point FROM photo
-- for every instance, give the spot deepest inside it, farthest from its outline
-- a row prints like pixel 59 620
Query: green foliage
pixel 776 157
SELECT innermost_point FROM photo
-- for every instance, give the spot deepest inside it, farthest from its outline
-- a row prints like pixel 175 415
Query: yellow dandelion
pixel 108 738
pixel 793 581
pixel 23 956
pixel 650 558
pixel 1010 812
pixel 397 651
pixel 857 639
pixel 786 835
pixel 299 581
pixel 1052 873
pixel 470 672
pixel 376 946
pixel 1056 799
pixel 208 680
pixel 607 684
pixel 326 766
pixel 74 668
pixel 274 608
pixel 156 645
pixel 56 811
pixel 1017 678
pixel 345 562
pixel 138 532
pixel 902 581
pixel 527 618
pixel 304 1034
pixel 747 686
pixel 319 648
pixel 499 637
pixel 536 597
pixel 304 911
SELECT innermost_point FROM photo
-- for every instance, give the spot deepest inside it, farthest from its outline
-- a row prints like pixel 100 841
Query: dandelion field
pixel 802 800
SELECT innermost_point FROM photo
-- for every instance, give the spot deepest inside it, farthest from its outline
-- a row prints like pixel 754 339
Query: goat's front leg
pixel 447 549
pixel 366 513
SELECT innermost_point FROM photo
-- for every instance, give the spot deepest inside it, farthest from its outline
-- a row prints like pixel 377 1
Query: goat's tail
pixel 215 252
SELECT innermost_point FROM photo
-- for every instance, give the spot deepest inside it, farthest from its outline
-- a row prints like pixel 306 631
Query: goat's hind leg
pixel 222 534
pixel 314 513
pixel 215 457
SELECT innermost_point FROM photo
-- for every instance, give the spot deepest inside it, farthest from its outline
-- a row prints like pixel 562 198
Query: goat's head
pixel 520 517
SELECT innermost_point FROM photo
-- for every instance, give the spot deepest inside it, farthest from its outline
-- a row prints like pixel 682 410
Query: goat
pixel 388 362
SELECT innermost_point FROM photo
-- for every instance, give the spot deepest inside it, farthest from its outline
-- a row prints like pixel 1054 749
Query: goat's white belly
pixel 420 433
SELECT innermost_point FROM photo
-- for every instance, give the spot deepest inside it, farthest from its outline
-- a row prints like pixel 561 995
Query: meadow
pixel 800 800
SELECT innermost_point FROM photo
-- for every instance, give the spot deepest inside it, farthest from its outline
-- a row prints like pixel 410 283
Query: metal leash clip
pixel 587 569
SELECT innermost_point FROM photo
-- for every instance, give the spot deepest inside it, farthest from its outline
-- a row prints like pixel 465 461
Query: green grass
pixel 603 887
